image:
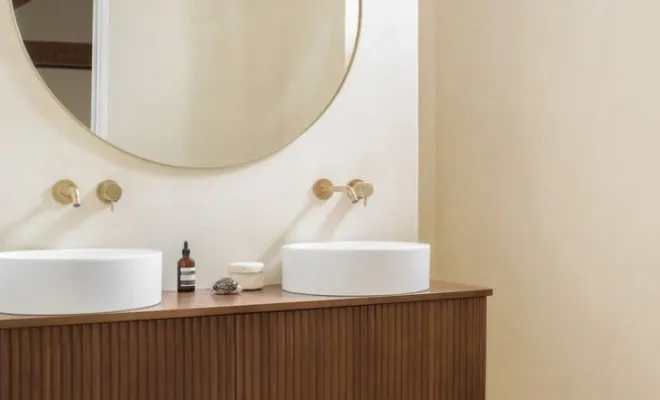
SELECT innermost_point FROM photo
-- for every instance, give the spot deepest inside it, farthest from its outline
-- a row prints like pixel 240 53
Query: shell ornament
pixel 226 286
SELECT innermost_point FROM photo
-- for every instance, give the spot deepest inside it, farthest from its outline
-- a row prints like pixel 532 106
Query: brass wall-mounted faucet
pixel 66 192
pixel 109 192
pixel 355 190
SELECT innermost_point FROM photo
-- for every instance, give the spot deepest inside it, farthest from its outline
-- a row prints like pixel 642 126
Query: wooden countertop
pixel 272 298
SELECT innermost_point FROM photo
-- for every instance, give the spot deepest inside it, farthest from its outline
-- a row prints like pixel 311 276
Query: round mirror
pixel 206 83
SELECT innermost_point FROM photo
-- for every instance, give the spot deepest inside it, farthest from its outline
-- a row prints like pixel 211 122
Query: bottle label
pixel 190 270
pixel 188 278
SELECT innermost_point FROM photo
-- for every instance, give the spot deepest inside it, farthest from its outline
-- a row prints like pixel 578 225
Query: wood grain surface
pixel 173 359
pixel 405 351
pixel 409 350
pixel 202 303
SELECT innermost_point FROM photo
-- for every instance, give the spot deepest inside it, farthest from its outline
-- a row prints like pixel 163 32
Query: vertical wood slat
pixel 127 361
pixel 401 351
pixel 417 350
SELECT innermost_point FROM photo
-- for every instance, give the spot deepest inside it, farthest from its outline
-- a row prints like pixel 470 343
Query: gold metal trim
pixel 109 192
pixel 363 190
pixel 322 189
pixel 356 190
pixel 349 68
pixel 66 192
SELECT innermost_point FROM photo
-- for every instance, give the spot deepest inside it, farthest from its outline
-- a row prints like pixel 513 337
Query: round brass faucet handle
pixel 362 188
pixel 366 189
pixel 109 192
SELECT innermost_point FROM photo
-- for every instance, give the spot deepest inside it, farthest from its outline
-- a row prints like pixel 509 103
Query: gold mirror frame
pixel 349 67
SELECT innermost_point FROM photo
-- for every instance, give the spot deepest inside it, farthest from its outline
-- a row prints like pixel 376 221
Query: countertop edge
pixel 302 303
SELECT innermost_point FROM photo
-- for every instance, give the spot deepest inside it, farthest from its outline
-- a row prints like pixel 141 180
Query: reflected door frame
pixel 100 53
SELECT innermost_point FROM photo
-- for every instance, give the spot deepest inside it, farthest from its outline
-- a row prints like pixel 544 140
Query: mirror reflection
pixel 195 84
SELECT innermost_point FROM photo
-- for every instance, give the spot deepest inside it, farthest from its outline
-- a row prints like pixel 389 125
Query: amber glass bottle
pixel 185 271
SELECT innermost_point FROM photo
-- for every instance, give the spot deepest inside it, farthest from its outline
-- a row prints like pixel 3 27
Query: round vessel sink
pixel 79 281
pixel 361 268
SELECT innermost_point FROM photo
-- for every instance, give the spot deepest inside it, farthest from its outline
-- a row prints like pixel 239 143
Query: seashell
pixel 226 286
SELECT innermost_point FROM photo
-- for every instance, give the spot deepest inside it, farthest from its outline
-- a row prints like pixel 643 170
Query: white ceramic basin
pixel 79 281
pixel 355 268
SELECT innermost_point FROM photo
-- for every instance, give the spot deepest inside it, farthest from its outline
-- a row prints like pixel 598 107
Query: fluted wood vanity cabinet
pixel 262 345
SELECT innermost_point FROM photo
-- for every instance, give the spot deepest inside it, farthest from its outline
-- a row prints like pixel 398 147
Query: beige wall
pixel 216 83
pixel 66 21
pixel 227 215
pixel 546 151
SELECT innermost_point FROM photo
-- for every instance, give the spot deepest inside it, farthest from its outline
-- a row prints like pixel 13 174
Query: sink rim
pixel 79 254
pixel 357 245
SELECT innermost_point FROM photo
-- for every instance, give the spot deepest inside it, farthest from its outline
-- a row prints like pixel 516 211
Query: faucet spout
pixel 350 192
pixel 74 194
pixel 66 192
pixel 355 190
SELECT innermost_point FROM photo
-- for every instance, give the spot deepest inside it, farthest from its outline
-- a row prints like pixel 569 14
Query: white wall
pixel 232 214
pixel 547 188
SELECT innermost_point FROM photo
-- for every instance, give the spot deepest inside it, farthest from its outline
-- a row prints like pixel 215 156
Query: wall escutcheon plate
pixel 322 189
pixel 58 191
